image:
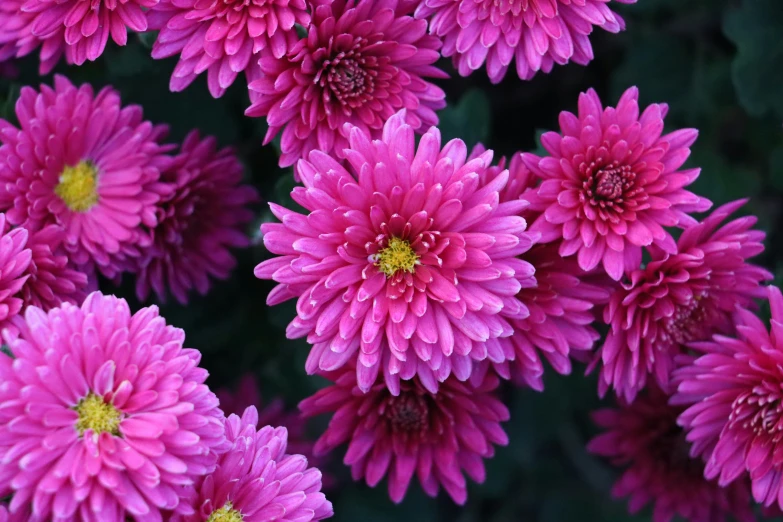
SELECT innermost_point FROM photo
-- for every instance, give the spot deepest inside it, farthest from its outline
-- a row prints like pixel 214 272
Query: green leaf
pixel 756 28
pixel 469 120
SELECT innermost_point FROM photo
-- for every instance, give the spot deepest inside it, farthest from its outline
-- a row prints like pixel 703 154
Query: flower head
pixel 223 37
pixel 83 162
pixel 535 33
pixel 17 38
pixel 360 63
pixel 436 436
pixel 680 298
pixel 257 481
pixel 610 183
pixel 732 391
pixel 560 304
pixel 643 438
pixel 199 221
pixel 14 262
pixel 104 414
pixel 406 258
pixel 82 27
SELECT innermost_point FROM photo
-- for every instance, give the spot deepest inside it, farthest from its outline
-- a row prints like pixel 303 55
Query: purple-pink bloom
pixel 560 304
pixel 360 63
pixel 438 437
pixel 223 37
pixel 14 262
pixel 536 34
pixel 644 440
pixel 611 183
pixel 679 298
pixel 83 162
pixel 82 27
pixel 199 220
pixel 257 481
pixel 17 38
pixel 103 414
pixel 405 260
pixel 732 391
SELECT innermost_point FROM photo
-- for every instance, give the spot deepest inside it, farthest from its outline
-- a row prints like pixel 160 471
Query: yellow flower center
pixel 97 415
pixel 77 186
pixel 225 514
pixel 398 255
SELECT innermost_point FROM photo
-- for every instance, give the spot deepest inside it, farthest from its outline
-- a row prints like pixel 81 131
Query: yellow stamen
pixel 98 416
pixel 398 255
pixel 77 187
pixel 225 514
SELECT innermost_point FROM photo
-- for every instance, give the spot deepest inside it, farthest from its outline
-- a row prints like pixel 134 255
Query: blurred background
pixel 719 66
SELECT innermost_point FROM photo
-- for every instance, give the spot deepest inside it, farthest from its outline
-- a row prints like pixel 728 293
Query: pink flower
pixel 535 33
pixel 679 298
pixel 560 303
pixel 646 442
pixel 360 63
pixel 223 37
pixel 438 437
pixel 245 394
pixel 85 163
pixel 83 27
pixel 14 262
pixel 103 414
pixel 17 38
pixel 256 481
pixel 732 392
pixel 199 221
pixel 404 261
pixel 52 279
pixel 611 183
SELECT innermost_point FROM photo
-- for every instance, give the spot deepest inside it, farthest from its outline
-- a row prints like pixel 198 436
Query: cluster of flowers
pixel 314 65
pixel 424 275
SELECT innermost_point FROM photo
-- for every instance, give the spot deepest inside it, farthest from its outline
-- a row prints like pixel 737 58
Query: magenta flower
pixel 256 481
pixel 246 394
pixel 679 298
pixel 407 259
pixel 223 37
pixel 104 414
pixel 82 27
pixel 85 163
pixel 17 38
pixel 733 396
pixel 535 33
pixel 611 183
pixel 361 62
pixel 438 437
pixel 202 217
pixel 644 440
pixel 560 303
pixel 52 279
pixel 14 262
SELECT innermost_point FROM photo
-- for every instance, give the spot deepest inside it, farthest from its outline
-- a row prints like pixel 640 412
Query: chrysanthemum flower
pixel 439 437
pixel 223 37
pixel 611 183
pixel 735 414
pixel 17 38
pixel 536 34
pixel 256 481
pixel 646 442
pixel 560 303
pixel 14 262
pixel 103 414
pixel 199 221
pixel 360 63
pixel 679 298
pixel 82 27
pixel 274 413
pixel 85 163
pixel 53 280
pixel 406 258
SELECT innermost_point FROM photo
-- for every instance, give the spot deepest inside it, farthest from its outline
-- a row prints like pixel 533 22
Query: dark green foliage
pixel 717 63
